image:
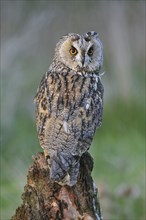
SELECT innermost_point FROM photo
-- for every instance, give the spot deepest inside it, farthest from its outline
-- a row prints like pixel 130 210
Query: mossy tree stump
pixel 44 199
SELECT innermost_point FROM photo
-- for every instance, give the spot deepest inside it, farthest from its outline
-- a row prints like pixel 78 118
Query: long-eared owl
pixel 69 104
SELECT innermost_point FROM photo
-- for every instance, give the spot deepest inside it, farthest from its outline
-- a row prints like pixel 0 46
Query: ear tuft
pixel 90 34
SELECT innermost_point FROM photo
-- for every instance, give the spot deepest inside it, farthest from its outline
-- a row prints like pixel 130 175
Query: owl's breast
pixel 85 100
pixel 68 111
pixel 73 98
pixel 85 109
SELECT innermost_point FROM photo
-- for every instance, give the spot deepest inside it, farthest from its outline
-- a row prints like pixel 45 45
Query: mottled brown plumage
pixel 69 104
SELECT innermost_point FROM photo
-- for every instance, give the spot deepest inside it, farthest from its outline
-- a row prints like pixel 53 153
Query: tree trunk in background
pixel 44 199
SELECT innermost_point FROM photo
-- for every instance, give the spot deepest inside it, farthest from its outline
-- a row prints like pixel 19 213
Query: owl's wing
pixel 61 144
pixel 58 136
pixel 41 110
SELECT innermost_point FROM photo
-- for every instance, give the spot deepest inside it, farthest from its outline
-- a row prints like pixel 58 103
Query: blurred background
pixel 29 33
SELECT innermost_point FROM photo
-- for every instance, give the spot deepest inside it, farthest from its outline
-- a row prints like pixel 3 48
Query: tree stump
pixel 44 199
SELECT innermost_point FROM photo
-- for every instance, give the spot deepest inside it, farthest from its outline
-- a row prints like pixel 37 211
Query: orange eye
pixel 73 51
pixel 90 51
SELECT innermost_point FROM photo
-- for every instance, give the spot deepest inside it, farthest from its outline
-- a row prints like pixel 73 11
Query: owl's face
pixel 80 52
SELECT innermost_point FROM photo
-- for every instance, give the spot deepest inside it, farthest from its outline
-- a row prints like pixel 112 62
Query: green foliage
pixel 119 157
pixel 118 151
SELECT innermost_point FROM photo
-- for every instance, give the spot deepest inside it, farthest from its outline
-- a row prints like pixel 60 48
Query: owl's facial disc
pixel 84 55
pixel 81 53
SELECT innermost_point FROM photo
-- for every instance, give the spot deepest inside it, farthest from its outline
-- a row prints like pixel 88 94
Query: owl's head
pixel 80 52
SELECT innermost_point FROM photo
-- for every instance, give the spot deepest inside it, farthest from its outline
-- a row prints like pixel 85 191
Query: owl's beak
pixel 82 61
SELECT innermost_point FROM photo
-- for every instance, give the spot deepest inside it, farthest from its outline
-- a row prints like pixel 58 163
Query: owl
pixel 69 104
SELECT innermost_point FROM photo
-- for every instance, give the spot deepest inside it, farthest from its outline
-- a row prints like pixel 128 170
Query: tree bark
pixel 44 199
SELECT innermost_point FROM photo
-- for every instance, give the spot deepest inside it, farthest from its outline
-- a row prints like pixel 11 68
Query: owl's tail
pixel 64 168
